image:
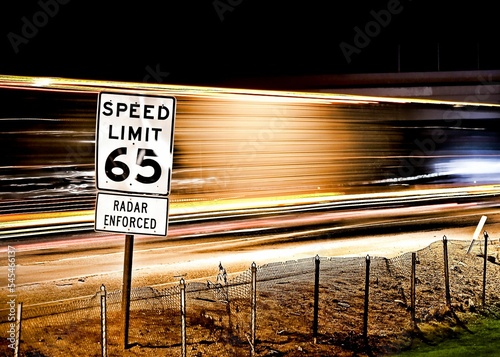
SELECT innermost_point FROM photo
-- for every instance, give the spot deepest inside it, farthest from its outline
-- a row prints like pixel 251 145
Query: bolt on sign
pixel 134 155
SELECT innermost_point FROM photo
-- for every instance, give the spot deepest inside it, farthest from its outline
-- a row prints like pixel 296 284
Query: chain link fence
pixel 315 306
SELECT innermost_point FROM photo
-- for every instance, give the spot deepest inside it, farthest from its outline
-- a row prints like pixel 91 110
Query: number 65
pixel 124 171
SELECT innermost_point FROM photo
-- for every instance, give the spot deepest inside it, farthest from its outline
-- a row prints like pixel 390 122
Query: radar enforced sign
pixel 132 214
pixel 134 155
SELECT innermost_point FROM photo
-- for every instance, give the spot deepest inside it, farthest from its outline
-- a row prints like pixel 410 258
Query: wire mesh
pixel 60 329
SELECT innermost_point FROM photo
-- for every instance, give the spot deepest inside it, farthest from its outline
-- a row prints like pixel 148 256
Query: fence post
pixel 183 317
pixel 413 288
pixel 316 299
pixel 367 294
pixel 446 272
pixel 484 266
pixel 19 315
pixel 254 307
pixel 104 323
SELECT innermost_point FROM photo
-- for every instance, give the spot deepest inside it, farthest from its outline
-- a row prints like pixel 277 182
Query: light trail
pixel 95 86
pixel 248 160
pixel 88 256
pixel 252 214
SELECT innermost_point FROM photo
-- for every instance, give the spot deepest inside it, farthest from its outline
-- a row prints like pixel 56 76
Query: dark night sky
pixel 192 42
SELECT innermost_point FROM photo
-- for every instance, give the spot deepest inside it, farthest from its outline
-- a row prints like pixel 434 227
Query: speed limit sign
pixel 134 143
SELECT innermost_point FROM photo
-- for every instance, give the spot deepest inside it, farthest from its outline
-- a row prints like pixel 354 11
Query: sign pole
pixel 126 288
pixel 134 154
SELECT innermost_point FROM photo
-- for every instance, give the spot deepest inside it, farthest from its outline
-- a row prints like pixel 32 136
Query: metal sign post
pixel 127 287
pixel 134 156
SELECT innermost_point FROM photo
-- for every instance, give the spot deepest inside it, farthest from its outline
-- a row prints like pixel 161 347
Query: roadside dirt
pixel 284 308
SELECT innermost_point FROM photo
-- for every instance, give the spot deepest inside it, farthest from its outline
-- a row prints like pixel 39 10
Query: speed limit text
pixel 131 133
pixel 136 110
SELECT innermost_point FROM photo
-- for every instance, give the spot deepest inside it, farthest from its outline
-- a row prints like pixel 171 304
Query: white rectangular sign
pixel 131 214
pixel 135 143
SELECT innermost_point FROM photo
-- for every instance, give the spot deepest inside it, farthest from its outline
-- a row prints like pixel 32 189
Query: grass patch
pixel 480 338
